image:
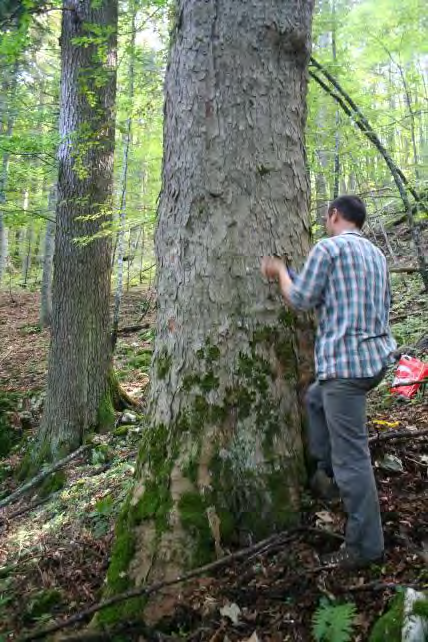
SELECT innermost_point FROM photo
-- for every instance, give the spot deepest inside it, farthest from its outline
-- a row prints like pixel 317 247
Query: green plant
pixel 101 515
pixel 333 622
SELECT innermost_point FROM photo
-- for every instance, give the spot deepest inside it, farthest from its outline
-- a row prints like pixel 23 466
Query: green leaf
pixel 334 623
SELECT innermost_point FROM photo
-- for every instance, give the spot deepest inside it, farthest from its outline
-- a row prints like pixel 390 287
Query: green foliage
pixel 53 483
pixel 100 517
pixel 420 608
pixel 101 454
pixel 42 603
pixel 8 436
pixel 389 626
pixel 333 622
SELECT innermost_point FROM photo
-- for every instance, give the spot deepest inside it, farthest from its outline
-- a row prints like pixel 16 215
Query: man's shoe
pixel 346 559
pixel 324 486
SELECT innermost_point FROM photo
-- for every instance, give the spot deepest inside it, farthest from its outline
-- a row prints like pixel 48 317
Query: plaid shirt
pixel 346 280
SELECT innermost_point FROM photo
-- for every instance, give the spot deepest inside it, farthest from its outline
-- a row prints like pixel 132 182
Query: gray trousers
pixel 338 440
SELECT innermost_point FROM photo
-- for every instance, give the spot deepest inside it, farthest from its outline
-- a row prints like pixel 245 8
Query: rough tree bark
pixel 80 360
pixel 222 460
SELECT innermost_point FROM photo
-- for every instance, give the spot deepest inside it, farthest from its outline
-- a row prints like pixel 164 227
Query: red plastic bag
pixel 409 369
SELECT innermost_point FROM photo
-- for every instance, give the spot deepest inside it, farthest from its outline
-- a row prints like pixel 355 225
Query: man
pixel 345 279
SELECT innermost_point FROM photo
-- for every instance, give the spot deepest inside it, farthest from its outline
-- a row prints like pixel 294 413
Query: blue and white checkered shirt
pixel 346 280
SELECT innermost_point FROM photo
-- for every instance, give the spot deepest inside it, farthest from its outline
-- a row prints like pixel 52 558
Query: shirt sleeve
pixel 308 288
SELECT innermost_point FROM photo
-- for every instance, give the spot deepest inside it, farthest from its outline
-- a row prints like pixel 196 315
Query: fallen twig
pixel 380 586
pixel 28 508
pixel 399 434
pixel 128 329
pixel 157 586
pixel 324 532
pixel 404 269
pixel 41 476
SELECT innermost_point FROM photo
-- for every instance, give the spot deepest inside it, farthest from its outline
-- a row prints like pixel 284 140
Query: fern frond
pixel 334 623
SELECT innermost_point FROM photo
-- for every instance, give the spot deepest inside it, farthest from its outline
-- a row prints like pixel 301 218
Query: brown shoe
pixel 324 486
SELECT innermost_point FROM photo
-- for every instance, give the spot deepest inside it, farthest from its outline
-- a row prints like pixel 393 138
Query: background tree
pixel 80 360
pixel 222 460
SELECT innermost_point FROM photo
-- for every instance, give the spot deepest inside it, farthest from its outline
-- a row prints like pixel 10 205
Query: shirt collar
pixel 357 232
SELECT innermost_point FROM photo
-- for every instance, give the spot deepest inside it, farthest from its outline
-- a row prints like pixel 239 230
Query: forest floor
pixel 54 549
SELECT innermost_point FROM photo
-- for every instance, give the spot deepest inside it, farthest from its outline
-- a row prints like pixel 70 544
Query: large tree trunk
pixel 222 461
pixel 80 357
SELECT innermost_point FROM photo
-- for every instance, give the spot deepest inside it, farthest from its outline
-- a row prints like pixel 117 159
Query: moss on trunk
pixel 200 470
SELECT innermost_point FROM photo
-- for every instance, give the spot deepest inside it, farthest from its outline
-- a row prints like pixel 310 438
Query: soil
pixel 54 551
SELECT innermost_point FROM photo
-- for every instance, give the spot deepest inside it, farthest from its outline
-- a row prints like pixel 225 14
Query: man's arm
pixel 307 290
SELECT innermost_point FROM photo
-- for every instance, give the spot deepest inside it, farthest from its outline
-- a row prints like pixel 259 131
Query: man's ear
pixel 334 215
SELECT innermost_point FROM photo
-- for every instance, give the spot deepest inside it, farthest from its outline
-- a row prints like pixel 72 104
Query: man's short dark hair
pixel 351 208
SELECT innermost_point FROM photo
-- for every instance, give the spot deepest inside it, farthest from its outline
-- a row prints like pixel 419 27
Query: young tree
pixel 48 250
pixel 222 459
pixel 80 361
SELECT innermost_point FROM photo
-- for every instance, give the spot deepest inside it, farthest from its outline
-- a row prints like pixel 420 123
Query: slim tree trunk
pixel 26 241
pixel 48 251
pixel 6 127
pixel 4 247
pixel 222 461
pixel 80 360
pixel 127 142
pixel 337 115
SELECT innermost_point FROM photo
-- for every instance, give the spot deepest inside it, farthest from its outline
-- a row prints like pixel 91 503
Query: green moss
pixel 117 574
pixel 155 503
pixel 32 461
pixel 158 453
pixel 227 524
pixel 122 553
pixel 389 626
pixel 193 517
pixel 241 398
pixel 8 436
pixel 282 511
pixel 163 364
pixel 105 416
pixel 53 483
pixel 42 603
pixel 287 318
pixel 420 608
pixel 209 382
pixel 284 350
pixel 121 431
pixel 190 470
pixel 206 382
pixel 212 353
pixel 141 360
pixel 5 441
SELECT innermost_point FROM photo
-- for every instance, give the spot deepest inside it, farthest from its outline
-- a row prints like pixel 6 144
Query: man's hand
pixel 271 267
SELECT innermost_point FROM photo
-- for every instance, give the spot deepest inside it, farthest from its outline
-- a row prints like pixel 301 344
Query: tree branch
pixel 351 109
pixel 264 545
pixel 399 434
pixel 41 476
